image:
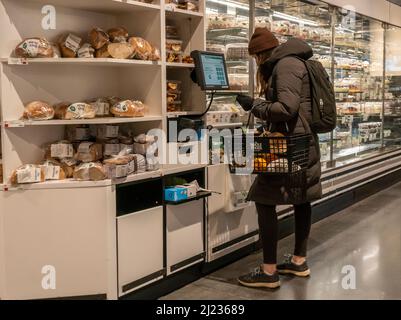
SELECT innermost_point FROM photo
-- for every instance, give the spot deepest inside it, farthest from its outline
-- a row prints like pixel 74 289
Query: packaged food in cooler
pixel 174 45
pixel 142 48
pixel 239 81
pixel 38 110
pixel 304 33
pixel 86 51
pixel 89 152
pixel 103 52
pixel 121 50
pixel 92 171
pixel 59 150
pixel 69 45
pixel 237 51
pixel 118 34
pixel 34 48
pixel 294 29
pixel 172 56
pixel 173 85
pixel 263 22
pixel 98 38
pixel 79 110
pixel 53 170
pixel 128 109
pixel 221 21
pixel 281 27
pixel 314 35
pixel 28 173
pixel 218 48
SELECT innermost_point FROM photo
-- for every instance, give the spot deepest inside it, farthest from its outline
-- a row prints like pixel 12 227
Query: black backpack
pixel 324 110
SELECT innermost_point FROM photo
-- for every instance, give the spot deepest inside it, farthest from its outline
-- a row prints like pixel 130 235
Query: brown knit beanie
pixel 262 40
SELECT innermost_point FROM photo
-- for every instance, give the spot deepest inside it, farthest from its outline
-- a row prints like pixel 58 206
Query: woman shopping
pixel 284 82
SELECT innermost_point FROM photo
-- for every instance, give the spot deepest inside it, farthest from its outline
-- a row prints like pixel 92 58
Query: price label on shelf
pixel 18 61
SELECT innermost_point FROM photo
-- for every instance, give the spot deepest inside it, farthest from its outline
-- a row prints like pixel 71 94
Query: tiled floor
pixel 366 236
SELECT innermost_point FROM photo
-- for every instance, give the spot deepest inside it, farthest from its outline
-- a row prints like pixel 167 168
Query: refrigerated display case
pixel 358 82
pixel 392 94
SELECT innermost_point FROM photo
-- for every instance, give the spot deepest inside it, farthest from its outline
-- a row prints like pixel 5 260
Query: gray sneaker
pixel 288 267
pixel 259 279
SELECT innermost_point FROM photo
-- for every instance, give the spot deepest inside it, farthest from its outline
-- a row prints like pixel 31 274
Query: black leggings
pixel 268 227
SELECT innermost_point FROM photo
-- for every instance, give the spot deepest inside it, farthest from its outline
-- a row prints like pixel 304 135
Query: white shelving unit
pixel 61 79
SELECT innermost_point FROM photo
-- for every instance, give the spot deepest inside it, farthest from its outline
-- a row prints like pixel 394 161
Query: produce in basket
pixel 281 166
pixel 278 145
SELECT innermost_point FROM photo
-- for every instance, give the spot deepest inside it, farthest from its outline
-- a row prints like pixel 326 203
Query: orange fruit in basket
pixel 260 164
pixel 270 157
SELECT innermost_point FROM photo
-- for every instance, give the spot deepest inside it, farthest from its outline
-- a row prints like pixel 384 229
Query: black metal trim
pixel 139 282
pixel 235 241
pixel 100 296
pixel 132 183
pixel 187 262
pixel 199 196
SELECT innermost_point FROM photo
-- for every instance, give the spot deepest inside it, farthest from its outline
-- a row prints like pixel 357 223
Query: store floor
pixel 366 236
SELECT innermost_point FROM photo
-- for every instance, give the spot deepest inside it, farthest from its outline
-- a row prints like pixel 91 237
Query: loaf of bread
pixel 98 38
pixel 53 170
pixel 128 109
pixel 28 173
pixel 121 50
pixel 79 110
pixel 102 106
pixel 68 165
pixel 59 150
pixel 89 152
pixel 119 34
pixel 69 45
pixel 91 171
pixel 143 49
pixel 34 48
pixel 120 166
pixel 38 110
pixel 103 52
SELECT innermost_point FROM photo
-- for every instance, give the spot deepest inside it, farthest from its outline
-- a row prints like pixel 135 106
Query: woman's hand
pixel 246 102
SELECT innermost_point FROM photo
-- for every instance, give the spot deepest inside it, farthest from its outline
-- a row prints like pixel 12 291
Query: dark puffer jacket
pixel 288 97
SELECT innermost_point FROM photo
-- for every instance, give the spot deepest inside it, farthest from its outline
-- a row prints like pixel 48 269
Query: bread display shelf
pixel 24 123
pixel 103 6
pixel 102 62
pixel 182 113
pixel 171 10
pixel 180 65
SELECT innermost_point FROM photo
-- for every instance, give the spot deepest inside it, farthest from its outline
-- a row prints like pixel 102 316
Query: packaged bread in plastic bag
pixel 28 173
pixel 103 52
pixel 92 171
pixel 59 150
pixel 89 152
pixel 79 110
pixel 121 50
pixel 53 170
pixel 86 51
pixel 68 165
pixel 39 111
pixel 142 48
pixel 119 166
pixel 119 34
pixel 128 109
pixel 98 38
pixel 34 48
pixel 69 45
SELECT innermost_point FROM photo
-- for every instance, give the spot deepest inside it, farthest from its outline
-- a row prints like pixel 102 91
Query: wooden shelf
pixel 171 10
pixel 180 65
pixel 102 62
pixel 111 120
pixel 104 6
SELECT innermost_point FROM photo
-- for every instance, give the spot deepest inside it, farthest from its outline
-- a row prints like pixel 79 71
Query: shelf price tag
pixel 14 124
pixel 18 61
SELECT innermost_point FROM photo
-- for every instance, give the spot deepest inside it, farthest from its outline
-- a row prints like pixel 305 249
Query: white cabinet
pixel 140 249
pixel 185 235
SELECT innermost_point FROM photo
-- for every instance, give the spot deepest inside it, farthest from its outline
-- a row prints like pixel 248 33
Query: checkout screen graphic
pixel 214 70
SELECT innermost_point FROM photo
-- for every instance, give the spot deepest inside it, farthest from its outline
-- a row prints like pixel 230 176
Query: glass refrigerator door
pixel 228 32
pixel 359 50
pixel 304 20
pixel 392 105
